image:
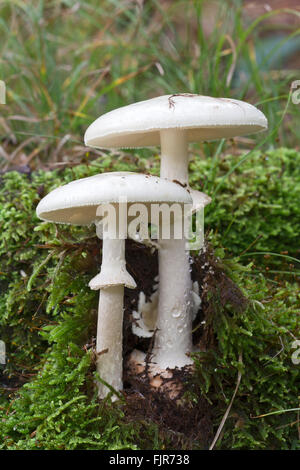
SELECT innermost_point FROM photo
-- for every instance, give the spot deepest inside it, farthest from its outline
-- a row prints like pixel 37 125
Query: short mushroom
pixel 172 121
pixel 85 201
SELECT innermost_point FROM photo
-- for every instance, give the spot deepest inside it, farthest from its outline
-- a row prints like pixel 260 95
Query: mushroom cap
pixel 200 200
pixel 76 202
pixel 203 117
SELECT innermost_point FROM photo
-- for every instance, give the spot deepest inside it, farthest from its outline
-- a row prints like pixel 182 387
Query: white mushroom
pixel 172 121
pixel 83 202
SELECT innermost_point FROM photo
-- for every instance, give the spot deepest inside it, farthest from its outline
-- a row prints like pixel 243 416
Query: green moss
pixel 48 314
pixel 254 338
pixel 55 412
pixel 257 205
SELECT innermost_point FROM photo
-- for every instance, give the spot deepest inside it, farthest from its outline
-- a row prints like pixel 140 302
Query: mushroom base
pixel 165 381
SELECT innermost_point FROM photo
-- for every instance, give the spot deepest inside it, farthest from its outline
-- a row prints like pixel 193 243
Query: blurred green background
pixel 67 62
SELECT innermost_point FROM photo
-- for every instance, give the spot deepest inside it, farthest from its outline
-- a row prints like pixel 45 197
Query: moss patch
pixel 247 322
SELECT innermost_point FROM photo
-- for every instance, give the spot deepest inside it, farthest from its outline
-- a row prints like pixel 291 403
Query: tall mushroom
pixel 86 201
pixel 172 121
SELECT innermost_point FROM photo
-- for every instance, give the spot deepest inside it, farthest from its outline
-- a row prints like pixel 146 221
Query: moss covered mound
pixel 245 327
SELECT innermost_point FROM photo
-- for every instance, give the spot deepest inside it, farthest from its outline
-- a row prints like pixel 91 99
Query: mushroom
pixel 172 121
pixel 85 201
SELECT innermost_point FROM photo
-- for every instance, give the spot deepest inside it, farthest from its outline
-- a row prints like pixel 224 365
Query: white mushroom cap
pixel 76 202
pixel 204 118
pixel 200 200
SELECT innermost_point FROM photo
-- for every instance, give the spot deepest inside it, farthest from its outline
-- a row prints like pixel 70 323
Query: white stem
pixel 109 347
pixel 110 338
pixel 113 255
pixel 173 337
pixel 174 155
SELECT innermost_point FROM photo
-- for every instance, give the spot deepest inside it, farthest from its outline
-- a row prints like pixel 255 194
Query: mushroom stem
pixel 173 338
pixel 174 155
pixel 111 280
pixel 110 317
pixel 110 338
